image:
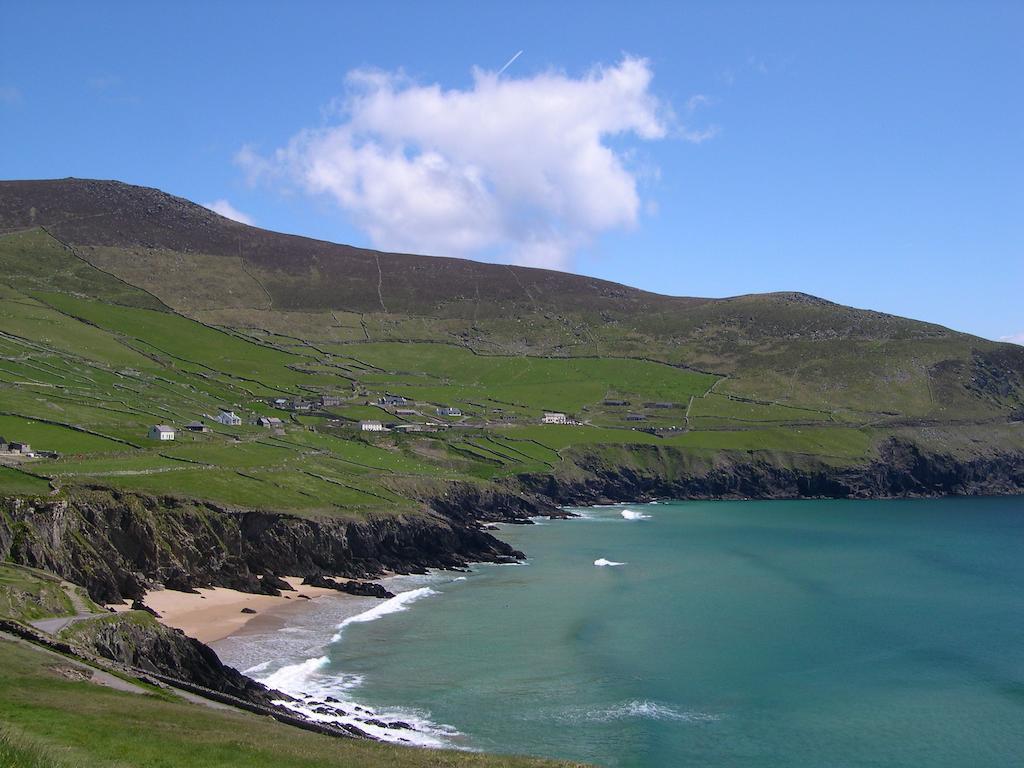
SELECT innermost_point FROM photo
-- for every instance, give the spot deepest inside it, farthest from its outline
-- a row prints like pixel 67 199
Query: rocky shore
pixel 120 545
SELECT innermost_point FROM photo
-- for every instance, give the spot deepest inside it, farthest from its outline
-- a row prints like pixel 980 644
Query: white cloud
pixel 226 209
pixel 1014 338
pixel 520 169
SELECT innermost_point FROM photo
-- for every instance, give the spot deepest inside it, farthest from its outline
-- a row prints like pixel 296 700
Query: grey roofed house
pixel 448 410
pixel 229 418
pixel 393 400
pixel 197 426
pixel 635 417
pixel 269 421
pixel 161 432
pixel 616 402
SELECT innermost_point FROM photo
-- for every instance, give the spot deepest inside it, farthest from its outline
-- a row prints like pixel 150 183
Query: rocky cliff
pixel 119 545
pixel 900 470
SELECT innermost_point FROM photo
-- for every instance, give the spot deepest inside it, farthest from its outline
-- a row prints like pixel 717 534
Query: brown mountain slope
pixel 783 347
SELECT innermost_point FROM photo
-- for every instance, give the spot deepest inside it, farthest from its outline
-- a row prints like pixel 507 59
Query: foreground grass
pixel 49 720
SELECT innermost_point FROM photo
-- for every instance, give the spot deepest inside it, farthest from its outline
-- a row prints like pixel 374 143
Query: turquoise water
pixel 811 633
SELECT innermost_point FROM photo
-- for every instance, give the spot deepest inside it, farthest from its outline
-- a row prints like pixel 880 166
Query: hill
pixel 789 347
pixel 122 308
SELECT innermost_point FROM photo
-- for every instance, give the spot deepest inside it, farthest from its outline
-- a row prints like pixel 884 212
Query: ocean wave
pixel 629 514
pixel 294 678
pixel 323 695
pixel 639 709
pixel 258 668
pixel 396 604
pixel 398 726
pixel 602 562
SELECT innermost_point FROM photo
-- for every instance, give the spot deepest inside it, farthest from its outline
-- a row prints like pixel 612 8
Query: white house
pixel 229 419
pixel 554 418
pixel 371 426
pixel 448 410
pixel 161 432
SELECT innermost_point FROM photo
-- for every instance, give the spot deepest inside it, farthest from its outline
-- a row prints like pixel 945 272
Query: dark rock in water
pixel 375 722
pixel 305 597
pixel 400 724
pixel 360 588
pixel 138 605
pixel 247 610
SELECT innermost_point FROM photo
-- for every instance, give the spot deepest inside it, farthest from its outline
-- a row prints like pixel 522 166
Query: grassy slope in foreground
pixel 50 719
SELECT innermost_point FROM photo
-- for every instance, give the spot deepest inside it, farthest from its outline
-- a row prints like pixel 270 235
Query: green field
pixel 88 363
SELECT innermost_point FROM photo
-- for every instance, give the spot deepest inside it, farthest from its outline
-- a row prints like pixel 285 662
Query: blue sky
pixel 870 153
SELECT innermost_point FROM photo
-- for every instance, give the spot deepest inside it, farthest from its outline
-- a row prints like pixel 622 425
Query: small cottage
pixel 371 426
pixel 269 421
pixel 229 419
pixel 448 410
pixel 554 418
pixel 161 432
pixel 197 426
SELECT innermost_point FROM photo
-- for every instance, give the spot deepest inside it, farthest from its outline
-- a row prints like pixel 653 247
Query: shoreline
pixel 216 613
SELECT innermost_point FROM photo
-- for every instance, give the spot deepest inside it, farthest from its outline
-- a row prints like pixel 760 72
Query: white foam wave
pixel 294 678
pixel 324 696
pixel 641 709
pixel 602 562
pixel 629 514
pixel 399 726
pixel 459 578
pixel 258 668
pixel 396 604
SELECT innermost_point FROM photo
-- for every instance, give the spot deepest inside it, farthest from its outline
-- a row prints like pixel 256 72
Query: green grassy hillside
pixel 122 307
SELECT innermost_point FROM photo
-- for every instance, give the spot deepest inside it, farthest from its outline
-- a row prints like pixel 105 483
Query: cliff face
pixel 119 545
pixel 901 469
pixel 142 643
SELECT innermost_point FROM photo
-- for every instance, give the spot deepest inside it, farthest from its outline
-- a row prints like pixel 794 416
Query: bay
pixel 728 633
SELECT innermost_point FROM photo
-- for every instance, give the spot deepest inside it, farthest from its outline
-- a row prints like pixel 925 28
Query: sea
pixel 693 633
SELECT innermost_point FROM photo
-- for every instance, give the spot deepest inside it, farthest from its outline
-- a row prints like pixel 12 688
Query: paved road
pixel 53 626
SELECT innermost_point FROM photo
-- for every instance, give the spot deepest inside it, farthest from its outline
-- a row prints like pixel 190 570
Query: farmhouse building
pixel 330 401
pixel 616 402
pixel 229 419
pixel 161 432
pixel 197 426
pixel 635 417
pixel 393 400
pixel 554 418
pixel 448 410
pixel 371 426
pixel 269 421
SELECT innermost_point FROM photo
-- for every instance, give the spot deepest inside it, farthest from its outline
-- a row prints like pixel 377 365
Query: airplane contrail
pixel 509 63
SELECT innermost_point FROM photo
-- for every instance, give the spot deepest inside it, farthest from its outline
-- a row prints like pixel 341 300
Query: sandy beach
pixel 215 613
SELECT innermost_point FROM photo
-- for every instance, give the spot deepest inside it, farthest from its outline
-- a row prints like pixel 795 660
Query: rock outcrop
pixel 120 545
